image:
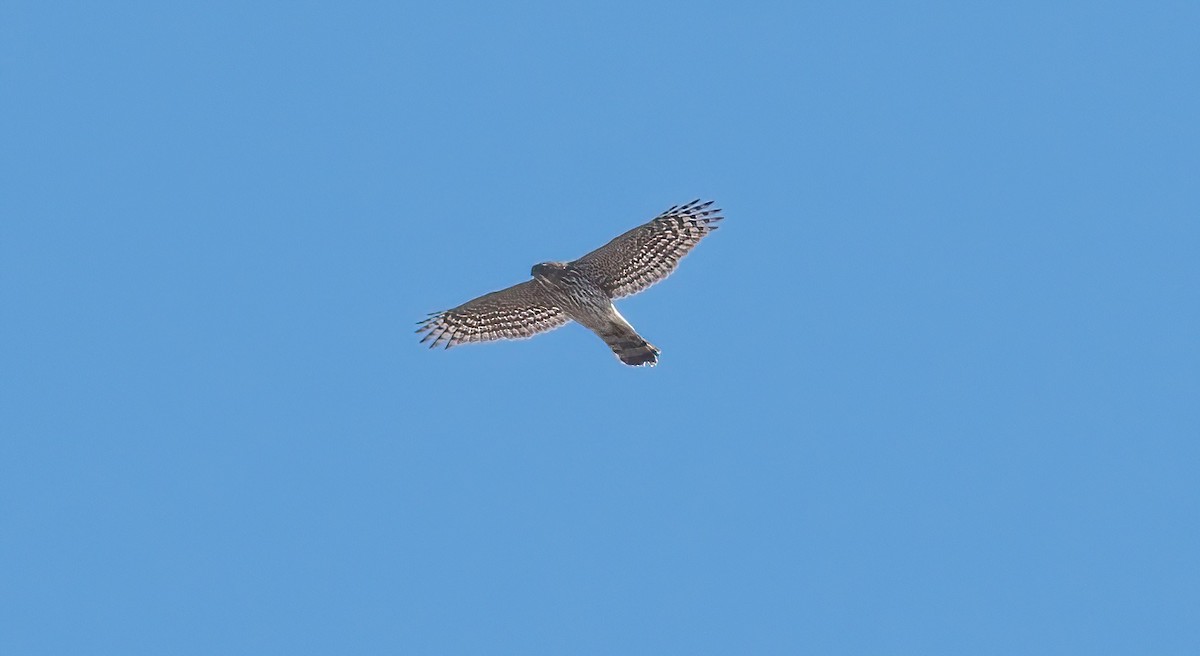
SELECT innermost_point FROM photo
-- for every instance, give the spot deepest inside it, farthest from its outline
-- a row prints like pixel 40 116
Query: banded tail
pixel 628 345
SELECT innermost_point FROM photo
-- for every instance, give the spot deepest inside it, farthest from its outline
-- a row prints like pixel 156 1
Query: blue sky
pixel 932 389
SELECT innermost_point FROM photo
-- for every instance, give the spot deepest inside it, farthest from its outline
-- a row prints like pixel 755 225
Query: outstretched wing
pixel 650 252
pixel 518 312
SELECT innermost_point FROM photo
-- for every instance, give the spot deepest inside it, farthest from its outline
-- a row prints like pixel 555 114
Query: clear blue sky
pixel 934 388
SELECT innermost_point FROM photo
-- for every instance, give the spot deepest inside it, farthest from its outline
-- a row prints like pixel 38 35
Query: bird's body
pixel 583 300
pixel 582 290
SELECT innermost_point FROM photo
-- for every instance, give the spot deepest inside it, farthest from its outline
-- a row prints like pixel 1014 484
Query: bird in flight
pixel 582 290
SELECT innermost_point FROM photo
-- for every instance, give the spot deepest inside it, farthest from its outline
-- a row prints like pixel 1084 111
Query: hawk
pixel 582 290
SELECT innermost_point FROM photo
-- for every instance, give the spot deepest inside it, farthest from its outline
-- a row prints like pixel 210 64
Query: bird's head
pixel 547 269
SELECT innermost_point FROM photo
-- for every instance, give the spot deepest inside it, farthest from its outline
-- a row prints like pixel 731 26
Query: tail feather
pixel 629 346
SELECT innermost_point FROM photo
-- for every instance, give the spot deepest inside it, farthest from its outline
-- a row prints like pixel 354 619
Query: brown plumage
pixel 582 290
